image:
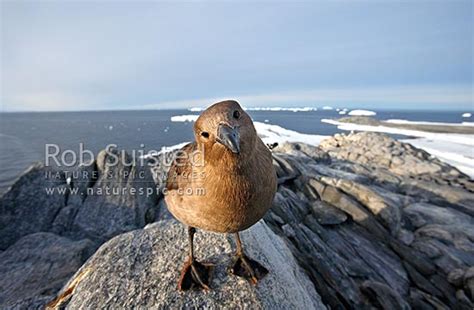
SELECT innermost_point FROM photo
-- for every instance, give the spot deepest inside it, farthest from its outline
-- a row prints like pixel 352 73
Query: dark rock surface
pixel 371 221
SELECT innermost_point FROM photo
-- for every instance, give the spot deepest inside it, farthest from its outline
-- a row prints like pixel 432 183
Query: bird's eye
pixel 205 134
pixel 236 114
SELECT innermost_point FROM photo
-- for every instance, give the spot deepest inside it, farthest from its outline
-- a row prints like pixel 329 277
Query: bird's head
pixel 225 128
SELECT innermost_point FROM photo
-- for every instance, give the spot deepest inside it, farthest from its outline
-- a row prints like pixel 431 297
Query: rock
pixel 457 198
pixel 285 171
pixel 27 208
pixel 455 277
pixel 386 209
pixel 303 149
pixel 469 281
pixel 141 269
pixel 364 221
pixel 37 266
pixel 379 150
pixel 384 297
pixel 327 214
pixel 120 198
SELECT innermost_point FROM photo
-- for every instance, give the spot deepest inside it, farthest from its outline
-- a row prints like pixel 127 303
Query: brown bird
pixel 223 182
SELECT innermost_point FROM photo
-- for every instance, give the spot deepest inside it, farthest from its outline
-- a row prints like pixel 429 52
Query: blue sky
pixel 87 55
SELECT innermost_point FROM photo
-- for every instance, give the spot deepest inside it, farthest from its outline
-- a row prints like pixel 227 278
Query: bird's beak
pixel 229 137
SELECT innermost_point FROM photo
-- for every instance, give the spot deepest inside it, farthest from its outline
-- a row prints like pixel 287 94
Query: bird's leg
pixel 194 274
pixel 245 267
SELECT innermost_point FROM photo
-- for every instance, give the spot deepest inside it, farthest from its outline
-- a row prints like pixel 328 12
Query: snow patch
pixel 448 137
pixel 274 133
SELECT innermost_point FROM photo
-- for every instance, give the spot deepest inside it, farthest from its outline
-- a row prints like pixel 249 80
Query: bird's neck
pixel 220 159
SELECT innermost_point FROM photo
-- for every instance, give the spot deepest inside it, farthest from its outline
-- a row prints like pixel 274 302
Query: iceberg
pixel 196 109
pixel 184 118
pixel 278 109
pixel 362 113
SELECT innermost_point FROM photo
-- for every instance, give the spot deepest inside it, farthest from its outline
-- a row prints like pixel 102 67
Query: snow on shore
pixel 362 113
pixel 448 137
pixel 402 121
pixel 454 149
pixel 268 132
pixel 274 133
pixel 457 155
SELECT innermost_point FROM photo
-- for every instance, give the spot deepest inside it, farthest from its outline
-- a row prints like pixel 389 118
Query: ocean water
pixel 23 136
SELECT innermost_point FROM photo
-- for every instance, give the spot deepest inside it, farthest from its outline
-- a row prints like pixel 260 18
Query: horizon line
pixel 319 108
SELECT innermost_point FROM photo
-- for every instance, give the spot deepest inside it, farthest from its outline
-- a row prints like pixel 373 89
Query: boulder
pixel 140 269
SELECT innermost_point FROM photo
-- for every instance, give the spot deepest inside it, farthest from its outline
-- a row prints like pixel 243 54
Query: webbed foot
pixel 195 275
pixel 248 269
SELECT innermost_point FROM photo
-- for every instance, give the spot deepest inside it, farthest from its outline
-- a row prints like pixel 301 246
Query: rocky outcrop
pixel 140 269
pixel 361 221
pixel 96 201
pixel 407 239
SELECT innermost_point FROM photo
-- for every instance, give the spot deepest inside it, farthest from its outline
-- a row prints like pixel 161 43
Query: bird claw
pixel 195 275
pixel 248 269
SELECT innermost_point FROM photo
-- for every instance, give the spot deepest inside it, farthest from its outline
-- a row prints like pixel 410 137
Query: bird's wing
pixel 181 168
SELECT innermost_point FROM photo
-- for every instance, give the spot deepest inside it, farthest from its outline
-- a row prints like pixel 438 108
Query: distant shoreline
pixel 435 128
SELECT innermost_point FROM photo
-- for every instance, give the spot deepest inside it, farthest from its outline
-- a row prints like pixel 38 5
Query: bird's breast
pixel 229 197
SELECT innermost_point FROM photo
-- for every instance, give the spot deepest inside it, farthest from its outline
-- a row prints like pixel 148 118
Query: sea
pixel 24 136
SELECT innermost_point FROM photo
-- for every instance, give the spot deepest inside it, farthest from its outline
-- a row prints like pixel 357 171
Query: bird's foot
pixel 249 269
pixel 195 275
